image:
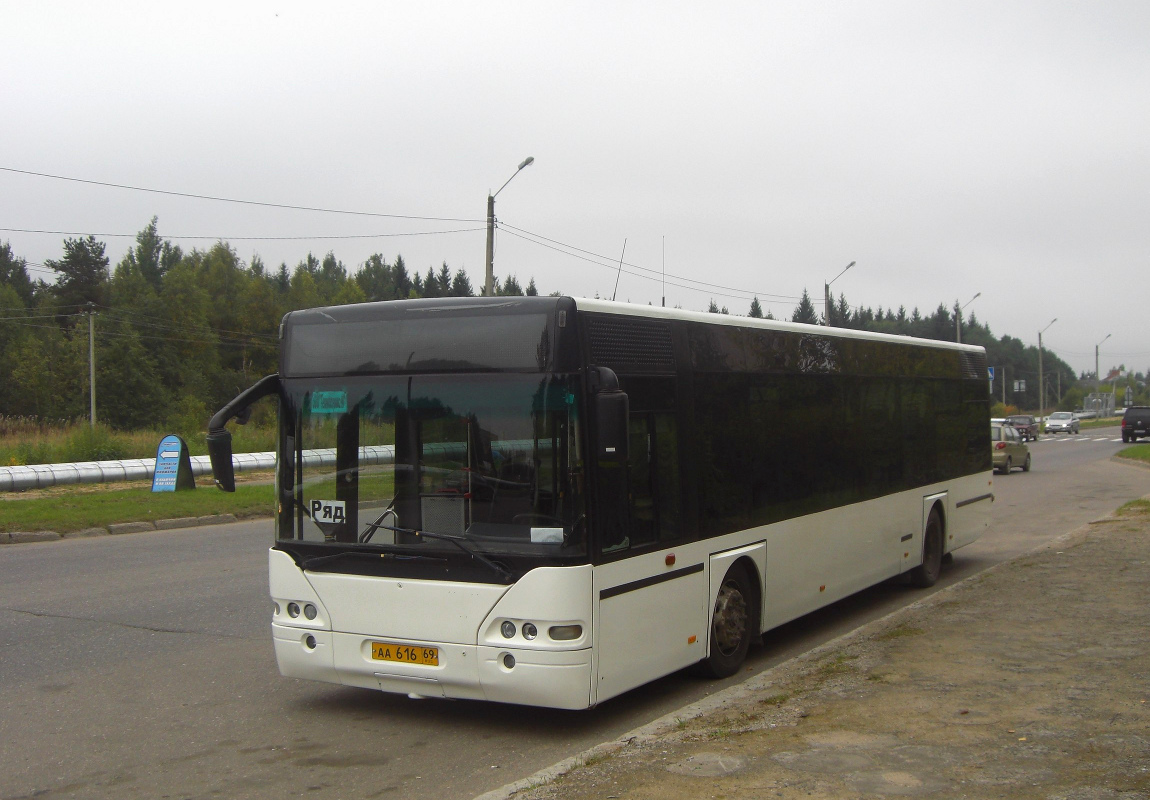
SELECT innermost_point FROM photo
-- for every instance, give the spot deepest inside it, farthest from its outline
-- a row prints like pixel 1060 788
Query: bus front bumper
pixel 549 678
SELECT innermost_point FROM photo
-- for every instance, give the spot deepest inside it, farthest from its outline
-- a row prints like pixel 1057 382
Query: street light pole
pixel 827 294
pixel 1097 374
pixel 958 319
pixel 1041 387
pixel 488 284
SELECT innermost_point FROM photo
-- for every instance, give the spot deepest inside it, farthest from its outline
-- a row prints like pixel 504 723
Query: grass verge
pixel 1137 452
pixel 68 511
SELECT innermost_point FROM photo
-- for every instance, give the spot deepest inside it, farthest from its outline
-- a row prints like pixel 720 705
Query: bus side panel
pixel 972 498
pixel 652 619
pixel 820 558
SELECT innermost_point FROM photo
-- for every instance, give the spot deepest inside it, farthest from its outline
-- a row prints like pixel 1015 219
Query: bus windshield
pixel 487 462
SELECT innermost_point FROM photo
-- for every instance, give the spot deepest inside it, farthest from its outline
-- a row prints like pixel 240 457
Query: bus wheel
pixel 731 621
pixel 927 573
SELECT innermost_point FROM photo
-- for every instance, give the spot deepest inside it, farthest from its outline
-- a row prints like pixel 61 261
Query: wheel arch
pixel 753 560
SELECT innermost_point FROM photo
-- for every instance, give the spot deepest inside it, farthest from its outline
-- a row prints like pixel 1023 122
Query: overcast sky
pixel 947 148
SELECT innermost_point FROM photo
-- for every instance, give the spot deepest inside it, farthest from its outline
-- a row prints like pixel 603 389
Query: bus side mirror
pixel 611 411
pixel 220 453
pixel 220 440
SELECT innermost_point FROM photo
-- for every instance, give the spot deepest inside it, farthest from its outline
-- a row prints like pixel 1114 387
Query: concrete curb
pixel 754 685
pixel 1132 462
pixel 21 537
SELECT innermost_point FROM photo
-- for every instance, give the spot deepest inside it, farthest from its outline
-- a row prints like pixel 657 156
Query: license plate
pixel 405 653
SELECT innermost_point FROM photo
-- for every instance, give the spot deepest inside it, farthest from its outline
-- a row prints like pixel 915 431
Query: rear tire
pixel 1026 463
pixel 1009 466
pixel 927 573
pixel 732 624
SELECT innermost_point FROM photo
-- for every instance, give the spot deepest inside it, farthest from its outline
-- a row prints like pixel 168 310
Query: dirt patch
pixel 1031 680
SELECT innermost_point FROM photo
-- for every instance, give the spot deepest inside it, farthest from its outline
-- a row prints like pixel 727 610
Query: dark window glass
pixel 423 343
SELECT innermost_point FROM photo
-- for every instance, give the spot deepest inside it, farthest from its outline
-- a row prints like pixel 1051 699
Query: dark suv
pixel 1026 425
pixel 1135 423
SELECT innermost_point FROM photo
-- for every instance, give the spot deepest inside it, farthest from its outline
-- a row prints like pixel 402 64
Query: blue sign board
pixel 173 466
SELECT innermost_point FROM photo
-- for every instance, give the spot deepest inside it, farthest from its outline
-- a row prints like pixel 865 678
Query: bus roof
pixel 657 312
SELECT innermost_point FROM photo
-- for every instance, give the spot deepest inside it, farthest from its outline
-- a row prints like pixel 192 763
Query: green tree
pixel 461 285
pixel 756 309
pixel 531 291
pixel 805 310
pixel 152 256
pixel 14 273
pixel 83 272
pixel 511 287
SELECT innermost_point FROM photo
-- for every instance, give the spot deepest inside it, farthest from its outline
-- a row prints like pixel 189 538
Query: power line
pixel 217 199
pixel 612 263
pixel 251 238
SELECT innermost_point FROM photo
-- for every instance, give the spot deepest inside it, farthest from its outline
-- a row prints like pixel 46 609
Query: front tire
pixel 927 573
pixel 733 623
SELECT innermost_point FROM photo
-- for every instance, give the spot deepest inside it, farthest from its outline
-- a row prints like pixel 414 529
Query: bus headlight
pixel 565 633
pixel 507 629
pixel 530 631
pixel 293 610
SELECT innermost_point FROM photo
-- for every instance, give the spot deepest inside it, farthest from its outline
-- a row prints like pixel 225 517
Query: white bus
pixel 550 501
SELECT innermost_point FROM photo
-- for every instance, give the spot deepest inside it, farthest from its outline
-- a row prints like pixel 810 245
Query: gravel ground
pixel 1030 680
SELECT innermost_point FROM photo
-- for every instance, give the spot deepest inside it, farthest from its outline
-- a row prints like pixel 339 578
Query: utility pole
pixel 958 318
pixel 827 294
pixel 91 310
pixel 1041 386
pixel 1097 374
pixel 489 282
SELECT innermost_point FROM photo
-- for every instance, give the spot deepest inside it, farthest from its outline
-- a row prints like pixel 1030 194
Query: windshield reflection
pixel 493 459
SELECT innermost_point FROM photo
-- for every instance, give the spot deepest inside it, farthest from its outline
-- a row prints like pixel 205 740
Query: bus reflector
pixel 564 633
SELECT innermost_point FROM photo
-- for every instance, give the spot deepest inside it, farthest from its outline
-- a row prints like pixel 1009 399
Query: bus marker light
pixel 823 588
pixel 670 559
pixel 530 631
pixel 565 633
pixel 507 629
pixel 692 639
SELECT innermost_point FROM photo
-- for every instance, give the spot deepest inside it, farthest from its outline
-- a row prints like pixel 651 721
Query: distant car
pixel 1007 450
pixel 1026 425
pixel 1061 422
pixel 1135 422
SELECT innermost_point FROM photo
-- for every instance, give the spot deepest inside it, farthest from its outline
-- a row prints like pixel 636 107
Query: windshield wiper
pixel 462 544
pixel 317 560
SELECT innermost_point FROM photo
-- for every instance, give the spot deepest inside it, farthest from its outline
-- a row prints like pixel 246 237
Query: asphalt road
pixel 141 665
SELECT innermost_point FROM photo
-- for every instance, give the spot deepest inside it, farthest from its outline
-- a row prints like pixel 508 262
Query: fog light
pixel 508 661
pixel 507 629
pixel 309 642
pixel 565 633
pixel 293 610
pixel 530 631
pixel 309 611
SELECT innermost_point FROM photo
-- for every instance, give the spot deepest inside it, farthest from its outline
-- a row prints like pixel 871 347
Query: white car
pixel 1061 422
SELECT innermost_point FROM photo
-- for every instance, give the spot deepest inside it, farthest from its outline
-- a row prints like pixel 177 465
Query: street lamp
pixel 488 288
pixel 827 294
pixel 1041 387
pixel 958 319
pixel 1097 374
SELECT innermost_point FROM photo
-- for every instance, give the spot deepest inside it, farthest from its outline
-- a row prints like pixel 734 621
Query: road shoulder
pixel 1029 675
